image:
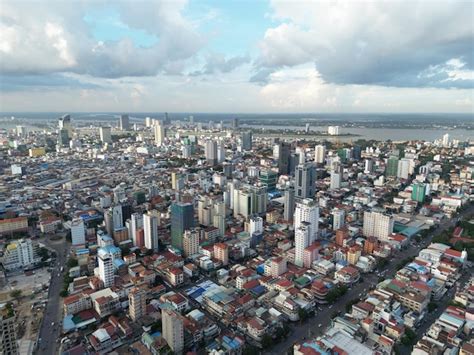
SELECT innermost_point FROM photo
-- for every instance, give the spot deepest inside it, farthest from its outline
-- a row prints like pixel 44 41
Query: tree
pixel 43 253
pixel 302 314
pixel 267 341
pixel 432 306
pixel 351 303
pixel 72 262
pixel 16 294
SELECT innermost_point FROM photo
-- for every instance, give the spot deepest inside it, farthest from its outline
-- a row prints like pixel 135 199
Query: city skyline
pixel 208 56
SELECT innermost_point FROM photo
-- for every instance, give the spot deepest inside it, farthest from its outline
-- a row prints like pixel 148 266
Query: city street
pixel 48 333
pixel 311 328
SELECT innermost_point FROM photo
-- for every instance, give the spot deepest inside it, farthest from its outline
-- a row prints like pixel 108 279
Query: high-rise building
pixel 357 152
pixel 160 134
pixel 338 219
pixel 319 154
pixel 19 254
pixel 405 168
pixel 64 122
pixel 218 221
pixel 446 140
pixel 124 123
pixel 106 267
pixel 305 180
pixel 418 192
pixel 247 140
pixel 335 180
pixel 284 152
pixel 136 223
pixel 333 130
pixel 63 138
pixel 378 224
pixel 254 225
pixel 182 218
pixel 249 200
pixel 342 237
pixel 235 123
pixel 137 303
pixel 369 166
pixel 210 151
pixel 173 331
pixel 289 204
pixel 269 179
pixel 191 242
pixel 150 228
pixel 392 166
pixel 117 217
pixel 307 210
pixel 221 252
pixel 302 241
pixel 105 134
pixel 21 131
pixel 78 232
pixel 8 331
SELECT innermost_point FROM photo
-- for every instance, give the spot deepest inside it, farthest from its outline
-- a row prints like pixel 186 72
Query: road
pixel 311 329
pixel 49 334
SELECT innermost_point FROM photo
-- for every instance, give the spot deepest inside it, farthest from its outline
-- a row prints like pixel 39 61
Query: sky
pixel 237 56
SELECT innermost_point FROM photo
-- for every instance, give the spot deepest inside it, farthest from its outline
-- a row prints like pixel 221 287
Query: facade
pixel 319 154
pixel 13 225
pixel 8 344
pixel 289 204
pixel 247 141
pixel 210 151
pixel 338 219
pixel 284 153
pixel 137 303
pixel 191 242
pixel 105 134
pixel 392 166
pixel 249 200
pixel 173 331
pixel 160 134
pixel 302 241
pixel 378 224
pixel 221 252
pixel 78 232
pixel 19 254
pixel 418 192
pixel 106 267
pixel 124 123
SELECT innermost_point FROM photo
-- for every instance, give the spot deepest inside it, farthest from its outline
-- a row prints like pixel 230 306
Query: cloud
pixel 41 39
pixel 374 43
pixel 218 63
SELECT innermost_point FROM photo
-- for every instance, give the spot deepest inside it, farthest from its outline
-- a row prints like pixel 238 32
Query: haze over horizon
pixel 236 56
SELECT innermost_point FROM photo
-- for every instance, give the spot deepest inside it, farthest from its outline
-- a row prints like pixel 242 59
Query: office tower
pixel 289 204
pixel 333 130
pixel 268 178
pixel 369 166
pixel 8 341
pixel 335 180
pixel 105 134
pixel 150 229
pixel 356 152
pixel 338 217
pixel 305 180
pixel 418 192
pixel 247 140
pixel 137 303
pixel 124 123
pixel 106 267
pixel 307 210
pixel 228 169
pixel 249 200
pixel 284 151
pixel 191 242
pixel 148 122
pixel 235 123
pixel 302 241
pixel 306 128
pixel 377 224
pixel 210 151
pixel 205 211
pixel 319 154
pixel 126 212
pixel 294 162
pixel 136 223
pixel 167 119
pixel 191 119
pixel 182 218
pixel 446 140
pixel 78 232
pixel 221 252
pixel 64 122
pixel 254 225
pixel 63 138
pixel 173 332
pixel 392 166
pixel 160 134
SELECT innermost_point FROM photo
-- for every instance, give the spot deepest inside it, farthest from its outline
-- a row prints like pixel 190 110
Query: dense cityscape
pixel 170 235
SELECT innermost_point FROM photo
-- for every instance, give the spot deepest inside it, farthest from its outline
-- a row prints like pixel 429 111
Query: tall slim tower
pixel 159 134
pixel 105 134
pixel 289 204
pixel 284 153
pixel 319 154
pixel 182 218
pixel 150 227
pixel 124 123
pixel 302 241
pixel 247 140
pixel 106 267
pixel 173 332
pixel 137 303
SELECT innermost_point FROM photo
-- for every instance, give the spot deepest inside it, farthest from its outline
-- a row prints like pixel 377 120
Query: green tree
pixel 16 294
pixel 72 262
pixel 432 306
pixel 267 341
